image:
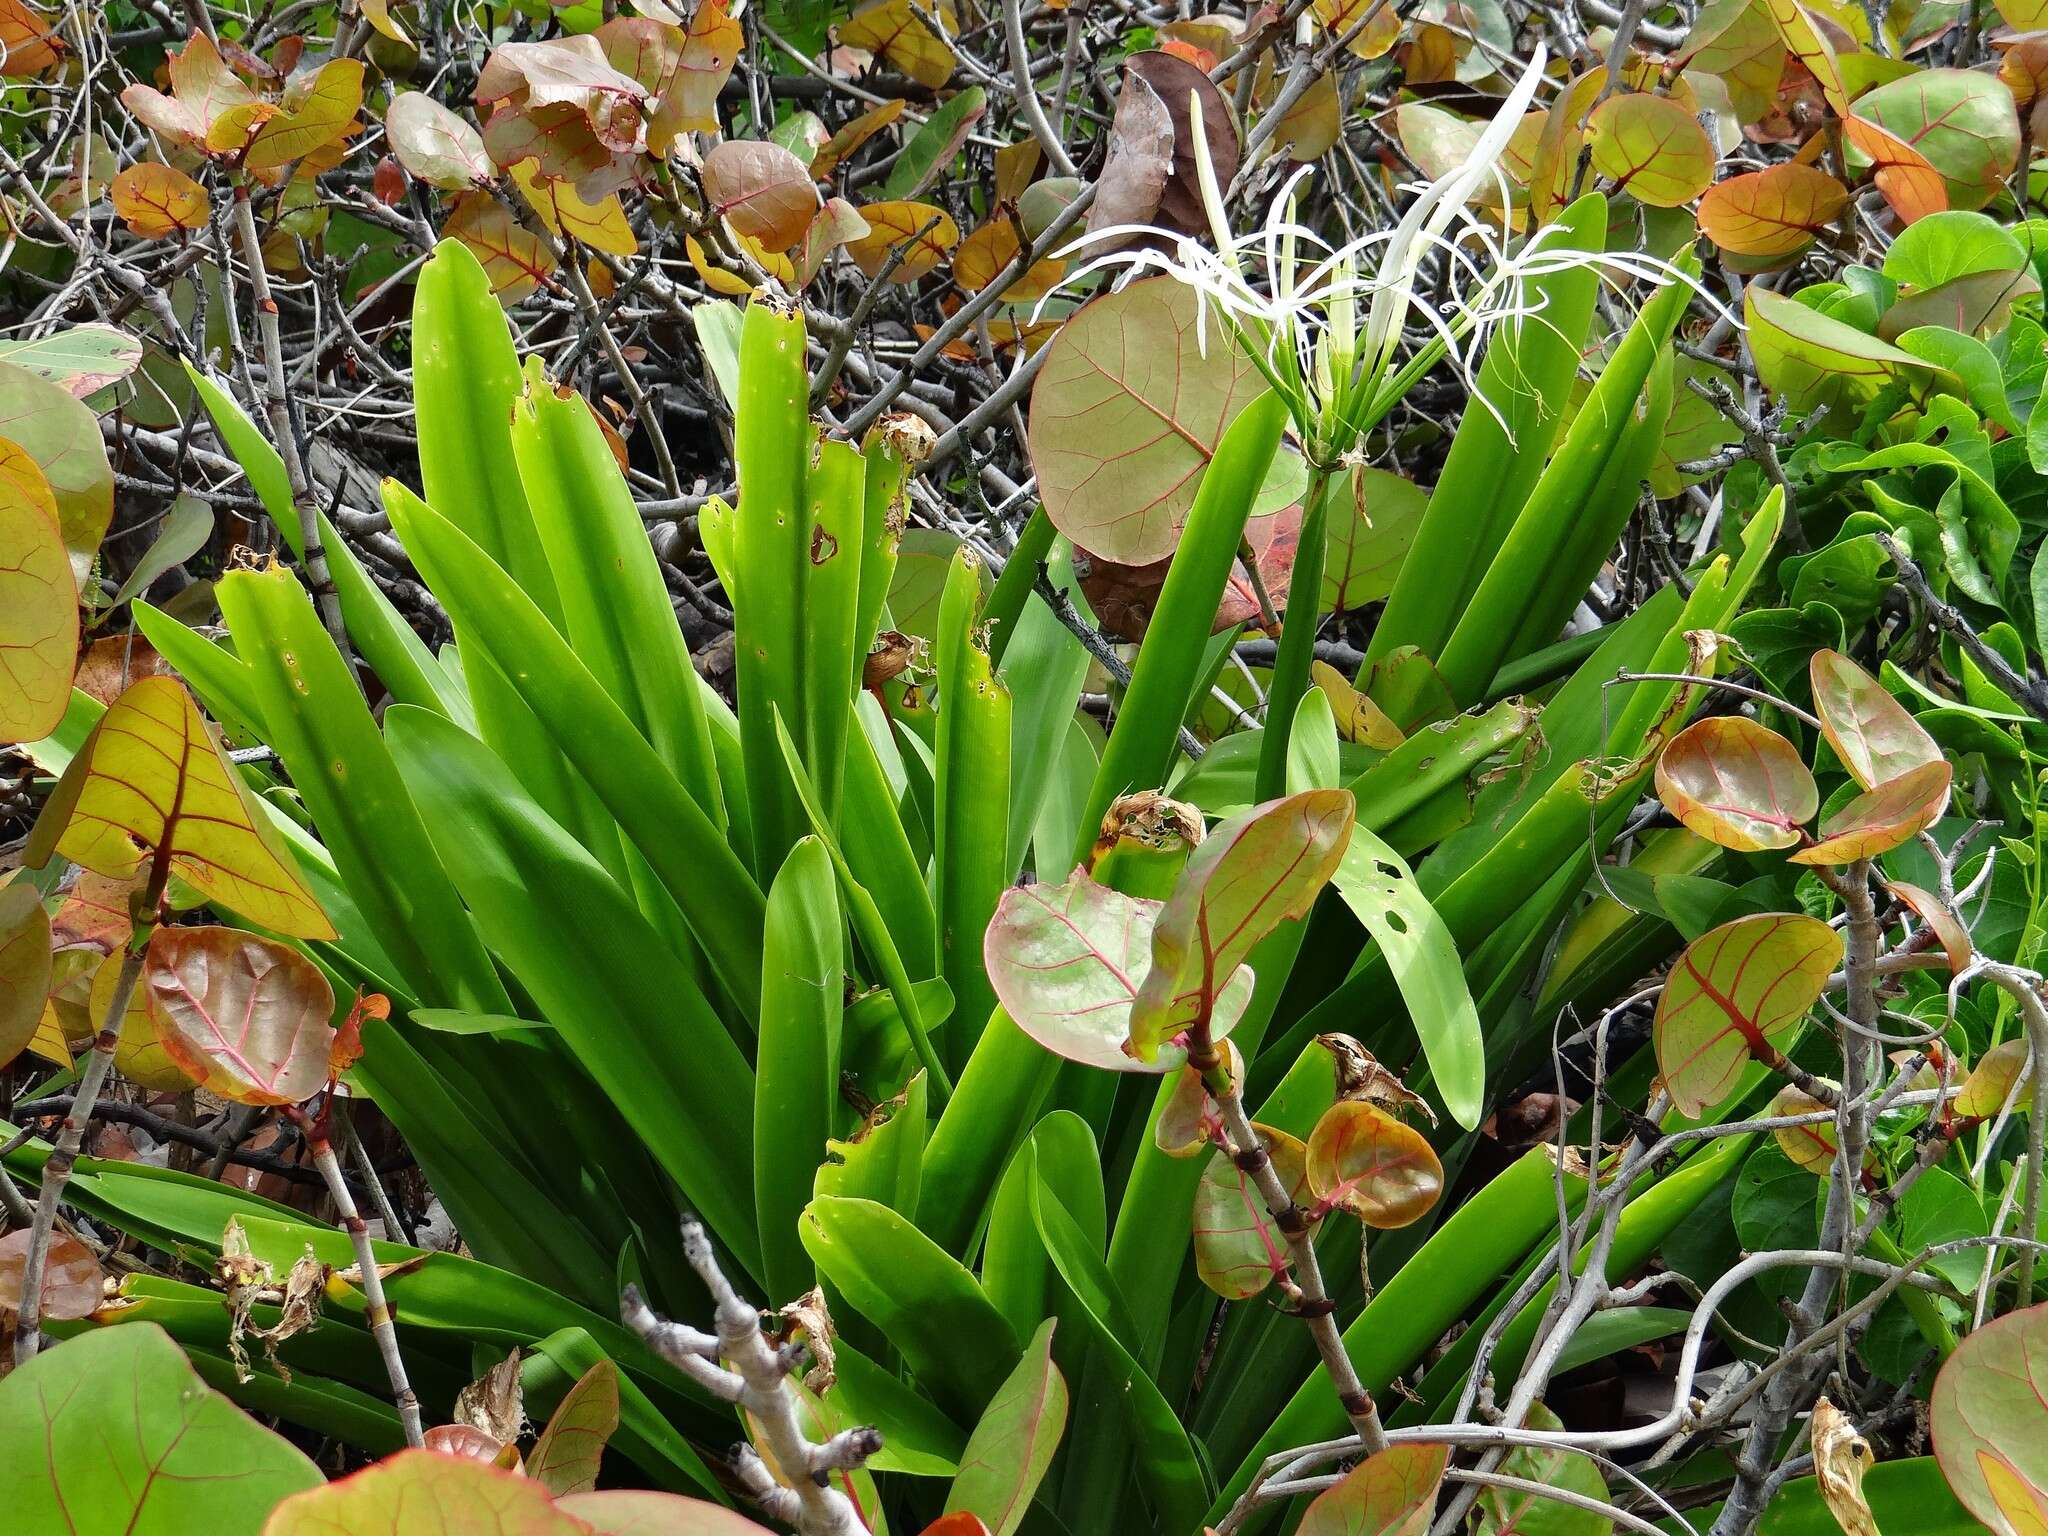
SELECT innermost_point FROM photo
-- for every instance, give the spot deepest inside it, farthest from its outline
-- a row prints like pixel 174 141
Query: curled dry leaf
pixel 923 233
pixel 1140 159
pixel 1737 783
pixel 1771 214
pixel 835 150
pixel 1180 87
pixel 38 602
pixel 1990 1424
pixel 246 1016
pixel 24 966
pixel 1871 732
pixel 1068 961
pixel 1362 1160
pixel 1239 1247
pixel 762 190
pixel 74 1285
pixel 152 777
pixel 1360 1075
pixel 1840 1458
pixel 1735 992
pixel 436 145
pixel 155 200
pixel 1947 929
pixel 1880 819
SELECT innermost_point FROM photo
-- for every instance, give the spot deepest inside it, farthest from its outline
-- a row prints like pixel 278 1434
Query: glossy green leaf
pixel 1239 1247
pixel 1515 1512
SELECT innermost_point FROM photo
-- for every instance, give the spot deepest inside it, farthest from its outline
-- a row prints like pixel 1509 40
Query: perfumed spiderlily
pixel 1293 302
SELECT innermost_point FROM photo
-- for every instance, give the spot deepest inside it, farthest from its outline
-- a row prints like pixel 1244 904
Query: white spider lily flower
pixel 1291 300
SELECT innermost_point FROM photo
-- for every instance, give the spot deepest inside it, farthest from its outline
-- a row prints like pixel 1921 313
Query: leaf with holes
pixel 711 47
pixel 155 200
pixel 1738 990
pixel 436 145
pixel 1067 962
pixel 1737 783
pixel 1248 876
pixel 922 234
pixel 247 1017
pixel 24 966
pixel 1652 148
pixel 1984 1091
pixel 895 30
pixel 1239 1247
pixel 114 1431
pixel 1391 1494
pixel 152 778
pixel 1013 1443
pixel 763 191
pixel 565 1458
pixel 424 1493
pixel 74 1285
pixel 38 603
pixel 62 435
pixel 1126 414
pixel 1382 1170
pixel 1772 214
pixel 1880 819
pixel 1871 732
pixel 1961 122
pixel 1990 1422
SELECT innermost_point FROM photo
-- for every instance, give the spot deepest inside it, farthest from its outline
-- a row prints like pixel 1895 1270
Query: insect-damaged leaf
pixel 1737 783
pixel 1880 819
pixel 1382 1170
pixel 1871 732
pixel 1013 1444
pixel 1771 213
pixel 1239 1247
pixel 151 777
pixel 155 200
pixel 247 1017
pixel 764 191
pixel 1738 990
pixel 1990 1423
pixel 1126 414
pixel 1067 962
pixel 38 603
pixel 81 361
pixel 1249 875
pixel 1391 1494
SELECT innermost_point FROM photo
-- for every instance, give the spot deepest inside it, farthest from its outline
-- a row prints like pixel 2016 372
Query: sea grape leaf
pixel 1067 962
pixel 1809 359
pixel 138 1055
pixel 1391 1494
pixel 642 1512
pixel 1737 783
pixel 38 602
pixel 74 1285
pixel 1652 148
pixel 114 1431
pixel 246 1016
pixel 1810 1146
pixel 1871 732
pixel 1947 929
pixel 436 145
pixel 1741 987
pixel 1248 875
pixel 1133 176
pixel 1239 1247
pixel 1380 1169
pixel 1126 414
pixel 1012 1446
pixel 24 966
pixel 155 200
pixel 1371 522
pixel 152 776
pixel 1513 1512
pixel 1771 214
pixel 62 435
pixel 1990 1423
pixel 763 191
pixel 923 232
pixel 1880 819
pixel 1984 1090
pixel 1907 178
pixel 81 360
pixel 565 1458
pixel 895 30
pixel 1963 123
pixel 424 1493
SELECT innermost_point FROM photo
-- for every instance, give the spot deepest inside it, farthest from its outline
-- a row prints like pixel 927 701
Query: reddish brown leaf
pixel 1133 177
pixel 1239 1247
pixel 762 190
pixel 1880 819
pixel 1771 213
pixel 1907 178
pixel 1180 85
pixel 29 44
pixel 516 260
pixel 74 1285
pixel 246 1016
pixel 1871 732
